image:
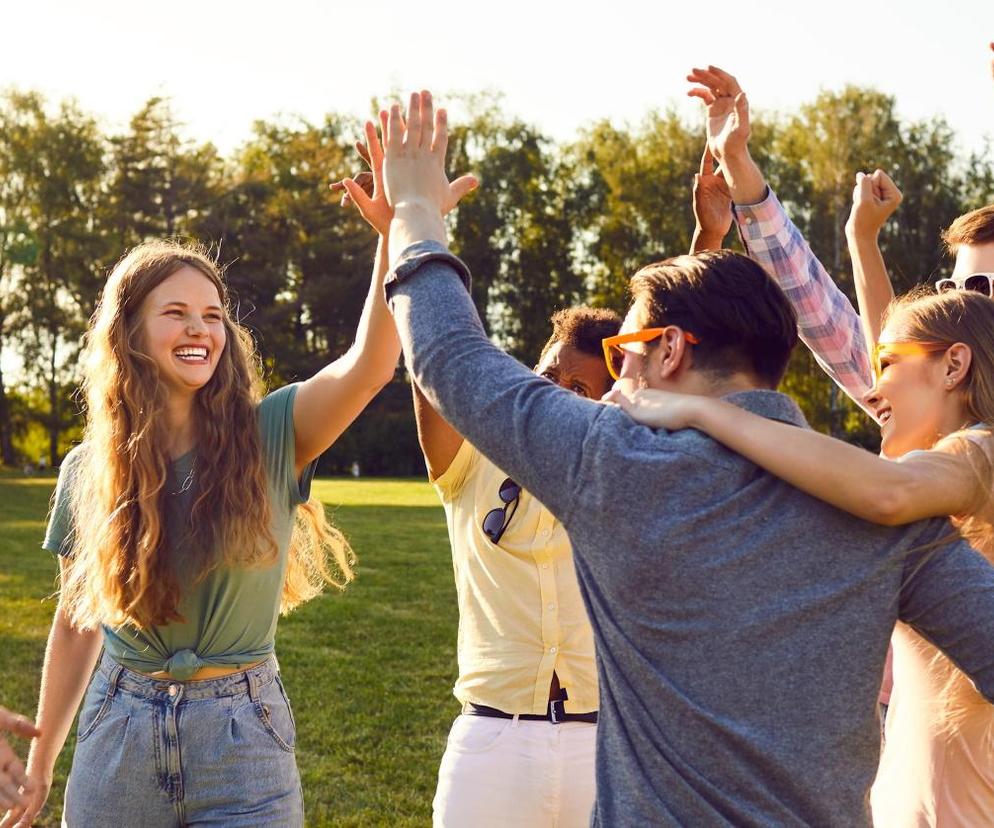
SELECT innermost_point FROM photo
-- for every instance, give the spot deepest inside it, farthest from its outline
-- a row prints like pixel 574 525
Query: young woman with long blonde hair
pixel 184 526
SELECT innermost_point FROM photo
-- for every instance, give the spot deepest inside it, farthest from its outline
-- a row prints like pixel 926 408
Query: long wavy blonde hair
pixel 967 317
pixel 119 569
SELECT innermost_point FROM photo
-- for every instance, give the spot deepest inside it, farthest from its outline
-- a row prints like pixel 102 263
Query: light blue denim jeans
pixel 157 753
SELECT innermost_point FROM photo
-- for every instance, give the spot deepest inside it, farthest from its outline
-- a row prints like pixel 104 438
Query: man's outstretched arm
pixel 827 322
pixel 526 425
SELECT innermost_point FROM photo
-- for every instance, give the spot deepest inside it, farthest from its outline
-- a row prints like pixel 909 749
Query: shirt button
pixel 545 566
pixel 748 219
pixel 552 649
pixel 546 533
pixel 552 607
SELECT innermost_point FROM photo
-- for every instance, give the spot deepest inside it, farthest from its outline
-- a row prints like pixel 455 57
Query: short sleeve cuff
pixel 449 482
pixel 419 254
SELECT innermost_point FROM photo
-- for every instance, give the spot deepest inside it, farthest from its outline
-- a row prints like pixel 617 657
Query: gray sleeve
pixel 948 598
pixel 529 427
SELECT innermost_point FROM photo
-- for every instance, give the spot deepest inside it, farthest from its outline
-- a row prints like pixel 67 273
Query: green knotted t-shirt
pixel 231 613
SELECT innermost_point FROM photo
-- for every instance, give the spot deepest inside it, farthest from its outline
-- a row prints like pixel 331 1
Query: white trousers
pixel 506 772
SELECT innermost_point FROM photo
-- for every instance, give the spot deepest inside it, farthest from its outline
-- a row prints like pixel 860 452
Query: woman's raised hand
pixel 874 199
pixel 365 190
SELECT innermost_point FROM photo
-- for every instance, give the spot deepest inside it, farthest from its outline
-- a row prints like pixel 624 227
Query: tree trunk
pixel 6 438
pixel 55 415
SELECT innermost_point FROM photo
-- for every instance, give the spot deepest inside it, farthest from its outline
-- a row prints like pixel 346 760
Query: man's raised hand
pixel 414 163
pixel 727 111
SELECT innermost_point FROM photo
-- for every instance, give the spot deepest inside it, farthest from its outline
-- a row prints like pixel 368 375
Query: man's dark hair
pixel 740 315
pixel 582 328
pixel 976 227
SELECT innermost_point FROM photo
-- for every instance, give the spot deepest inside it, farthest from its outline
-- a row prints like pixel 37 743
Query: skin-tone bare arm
pixel 712 202
pixel 728 132
pixel 875 198
pixel 70 656
pixel 328 402
pixel 931 484
pixel 439 441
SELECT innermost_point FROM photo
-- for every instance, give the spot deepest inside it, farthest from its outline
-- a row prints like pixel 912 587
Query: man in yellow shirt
pixel 522 751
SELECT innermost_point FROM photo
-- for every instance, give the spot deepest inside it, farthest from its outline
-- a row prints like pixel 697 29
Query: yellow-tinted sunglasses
pixel 614 354
pixel 904 349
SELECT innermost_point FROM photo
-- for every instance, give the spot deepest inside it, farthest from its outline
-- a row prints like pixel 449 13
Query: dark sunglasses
pixel 979 282
pixel 497 520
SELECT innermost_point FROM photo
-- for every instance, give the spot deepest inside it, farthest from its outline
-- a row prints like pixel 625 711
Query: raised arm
pixel 712 202
pixel 889 492
pixel 532 429
pixel 826 320
pixel 439 441
pixel 875 197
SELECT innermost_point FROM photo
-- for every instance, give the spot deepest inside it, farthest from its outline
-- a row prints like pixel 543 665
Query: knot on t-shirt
pixel 183 664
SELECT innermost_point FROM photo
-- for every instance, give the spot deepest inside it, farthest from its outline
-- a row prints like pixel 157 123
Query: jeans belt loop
pixel 253 685
pixel 113 678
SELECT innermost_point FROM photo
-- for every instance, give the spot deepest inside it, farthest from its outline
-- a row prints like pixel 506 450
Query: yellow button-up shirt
pixel 520 612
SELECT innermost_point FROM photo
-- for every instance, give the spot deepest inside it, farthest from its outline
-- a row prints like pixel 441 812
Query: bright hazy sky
pixel 560 64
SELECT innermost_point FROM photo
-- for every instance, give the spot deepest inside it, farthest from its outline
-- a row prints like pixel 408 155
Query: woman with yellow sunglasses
pixel 934 399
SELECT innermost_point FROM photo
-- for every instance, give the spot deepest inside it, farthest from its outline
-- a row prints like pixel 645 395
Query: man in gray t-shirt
pixel 741 626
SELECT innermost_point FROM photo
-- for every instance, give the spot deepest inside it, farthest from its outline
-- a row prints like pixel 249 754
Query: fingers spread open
pixel 413 138
pixel 360 148
pixel 372 148
pixel 395 129
pixel 702 93
pixel 728 82
pixel 427 120
pixel 440 136
pixel 462 185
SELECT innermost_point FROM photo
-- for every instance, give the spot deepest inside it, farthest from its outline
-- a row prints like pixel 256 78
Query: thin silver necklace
pixel 188 482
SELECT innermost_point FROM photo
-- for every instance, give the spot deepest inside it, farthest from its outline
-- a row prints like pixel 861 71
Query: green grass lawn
pixel 369 671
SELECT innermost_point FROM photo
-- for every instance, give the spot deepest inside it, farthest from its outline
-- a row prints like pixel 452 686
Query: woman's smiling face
pixel 183 327
pixel 910 395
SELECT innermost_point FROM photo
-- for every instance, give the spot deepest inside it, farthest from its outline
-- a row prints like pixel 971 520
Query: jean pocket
pixel 477 734
pixel 273 710
pixel 96 703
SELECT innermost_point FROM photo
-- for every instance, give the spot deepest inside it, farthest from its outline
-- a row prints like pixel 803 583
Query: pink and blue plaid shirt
pixel 826 320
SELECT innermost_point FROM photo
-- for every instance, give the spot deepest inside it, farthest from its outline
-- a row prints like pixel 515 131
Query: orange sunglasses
pixel 614 354
pixel 904 349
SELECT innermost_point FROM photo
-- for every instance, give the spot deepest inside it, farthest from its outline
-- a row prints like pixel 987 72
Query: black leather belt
pixel 556 713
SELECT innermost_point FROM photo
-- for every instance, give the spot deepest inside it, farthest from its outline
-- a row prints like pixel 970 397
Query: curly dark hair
pixel 582 328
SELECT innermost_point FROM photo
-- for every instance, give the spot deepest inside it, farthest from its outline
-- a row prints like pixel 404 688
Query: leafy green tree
pixel 57 160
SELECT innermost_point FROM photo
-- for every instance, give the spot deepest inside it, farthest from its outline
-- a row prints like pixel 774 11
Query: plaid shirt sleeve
pixel 826 320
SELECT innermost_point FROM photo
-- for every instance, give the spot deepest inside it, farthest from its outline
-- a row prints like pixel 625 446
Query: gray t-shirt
pixel 741 626
pixel 230 614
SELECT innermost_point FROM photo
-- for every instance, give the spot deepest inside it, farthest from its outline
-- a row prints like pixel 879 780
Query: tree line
pixel 553 224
